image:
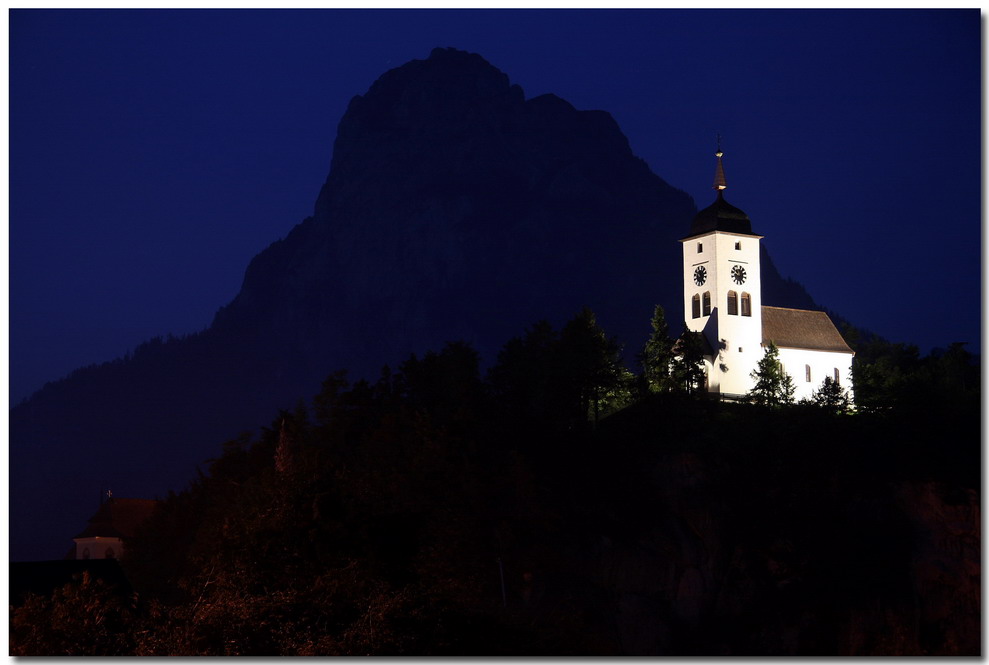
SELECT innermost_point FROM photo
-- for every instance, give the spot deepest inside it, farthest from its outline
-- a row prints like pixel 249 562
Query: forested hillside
pixel 560 505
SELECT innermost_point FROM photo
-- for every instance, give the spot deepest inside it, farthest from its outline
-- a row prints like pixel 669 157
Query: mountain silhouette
pixel 455 209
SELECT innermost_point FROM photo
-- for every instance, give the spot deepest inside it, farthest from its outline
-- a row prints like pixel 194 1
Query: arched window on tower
pixel 733 303
pixel 836 376
pixel 707 303
pixel 807 372
pixel 746 304
pixel 695 306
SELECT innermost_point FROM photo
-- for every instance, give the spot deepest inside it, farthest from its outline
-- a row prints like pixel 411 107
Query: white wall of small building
pixel 821 363
pixel 98 547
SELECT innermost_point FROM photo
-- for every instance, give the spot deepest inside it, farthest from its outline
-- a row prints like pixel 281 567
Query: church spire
pixel 719 173
pixel 720 215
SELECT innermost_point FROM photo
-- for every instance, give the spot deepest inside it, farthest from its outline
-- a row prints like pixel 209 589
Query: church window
pixel 707 303
pixel 733 303
pixel 807 372
pixel 695 306
pixel 738 245
pixel 746 304
pixel 700 247
pixel 110 554
pixel 85 553
pixel 836 375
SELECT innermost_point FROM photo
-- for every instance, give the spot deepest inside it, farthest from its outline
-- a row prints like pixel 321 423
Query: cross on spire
pixel 719 173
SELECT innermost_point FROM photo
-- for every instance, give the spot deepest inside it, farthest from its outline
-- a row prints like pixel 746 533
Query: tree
pixel 774 387
pixel 524 376
pixel 86 617
pixel 622 394
pixel 446 385
pixel 687 365
pixel 885 373
pixel 327 402
pixel 285 452
pixel 591 364
pixel 657 355
pixel 831 396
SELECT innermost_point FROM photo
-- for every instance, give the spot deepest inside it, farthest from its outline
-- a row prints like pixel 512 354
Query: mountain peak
pixel 452 93
pixel 448 72
pixel 457 57
pixel 454 210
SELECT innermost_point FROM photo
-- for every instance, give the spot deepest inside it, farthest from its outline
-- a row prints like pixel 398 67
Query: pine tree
pixel 591 364
pixel 687 365
pixel 285 452
pixel 524 377
pixel 774 387
pixel 831 396
pixel 657 355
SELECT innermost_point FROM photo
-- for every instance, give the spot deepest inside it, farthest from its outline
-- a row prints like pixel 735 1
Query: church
pixel 722 299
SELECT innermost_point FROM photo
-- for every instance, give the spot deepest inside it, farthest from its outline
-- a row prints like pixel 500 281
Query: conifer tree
pixel 525 376
pixel 831 396
pixel 687 366
pixel 774 387
pixel 591 363
pixel 285 452
pixel 657 355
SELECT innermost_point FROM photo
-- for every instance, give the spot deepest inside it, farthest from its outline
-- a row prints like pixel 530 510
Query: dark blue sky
pixel 154 153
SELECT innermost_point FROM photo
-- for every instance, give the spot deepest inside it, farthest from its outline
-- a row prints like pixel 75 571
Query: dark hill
pixel 454 209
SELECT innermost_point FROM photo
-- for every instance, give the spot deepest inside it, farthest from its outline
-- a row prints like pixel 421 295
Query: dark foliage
pixel 687 366
pixel 434 513
pixel 656 357
pixel 773 386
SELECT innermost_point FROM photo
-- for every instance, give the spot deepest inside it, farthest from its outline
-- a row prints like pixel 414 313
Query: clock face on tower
pixel 738 274
pixel 700 275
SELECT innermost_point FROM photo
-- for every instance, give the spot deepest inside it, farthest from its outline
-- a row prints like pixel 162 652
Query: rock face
pixel 454 209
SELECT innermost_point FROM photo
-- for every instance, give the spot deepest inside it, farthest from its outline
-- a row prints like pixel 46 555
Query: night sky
pixel 154 153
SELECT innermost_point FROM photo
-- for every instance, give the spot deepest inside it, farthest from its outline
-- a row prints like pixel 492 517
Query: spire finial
pixel 719 173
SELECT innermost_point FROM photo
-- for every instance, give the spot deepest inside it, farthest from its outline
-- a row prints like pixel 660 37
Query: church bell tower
pixel 722 294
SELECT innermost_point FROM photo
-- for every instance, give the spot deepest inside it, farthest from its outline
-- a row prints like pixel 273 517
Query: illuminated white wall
pixel 821 363
pixel 97 547
pixel 736 339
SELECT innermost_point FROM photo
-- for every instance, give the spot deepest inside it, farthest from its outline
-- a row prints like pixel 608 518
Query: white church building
pixel 722 298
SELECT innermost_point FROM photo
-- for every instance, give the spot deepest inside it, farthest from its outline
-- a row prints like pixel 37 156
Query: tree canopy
pixel 656 357
pixel 438 512
pixel 773 386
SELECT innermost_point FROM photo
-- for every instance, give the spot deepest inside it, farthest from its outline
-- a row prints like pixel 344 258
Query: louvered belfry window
pixel 707 303
pixel 733 303
pixel 746 304
pixel 695 306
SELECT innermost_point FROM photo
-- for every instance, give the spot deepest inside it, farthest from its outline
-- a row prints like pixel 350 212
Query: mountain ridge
pixel 454 208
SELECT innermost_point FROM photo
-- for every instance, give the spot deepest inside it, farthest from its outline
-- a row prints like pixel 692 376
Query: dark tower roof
pixel 720 215
pixel 118 518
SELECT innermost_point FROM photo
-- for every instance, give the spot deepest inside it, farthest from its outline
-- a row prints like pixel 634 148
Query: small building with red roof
pixel 115 522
